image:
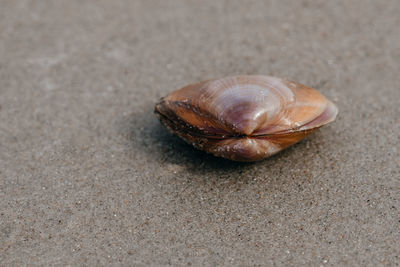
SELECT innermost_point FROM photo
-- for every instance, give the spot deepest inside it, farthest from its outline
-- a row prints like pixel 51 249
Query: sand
pixel 88 176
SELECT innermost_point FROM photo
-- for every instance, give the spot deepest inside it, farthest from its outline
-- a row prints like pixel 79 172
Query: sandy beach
pixel 88 175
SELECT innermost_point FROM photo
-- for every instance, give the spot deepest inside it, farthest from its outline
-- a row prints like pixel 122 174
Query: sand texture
pixel 88 176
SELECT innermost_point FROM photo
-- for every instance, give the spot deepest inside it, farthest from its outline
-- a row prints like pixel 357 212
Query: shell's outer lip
pixel 176 124
pixel 328 115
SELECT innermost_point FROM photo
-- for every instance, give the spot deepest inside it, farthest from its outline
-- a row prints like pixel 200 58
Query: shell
pixel 244 118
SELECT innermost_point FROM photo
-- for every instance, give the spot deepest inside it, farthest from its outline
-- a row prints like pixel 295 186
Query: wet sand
pixel 88 176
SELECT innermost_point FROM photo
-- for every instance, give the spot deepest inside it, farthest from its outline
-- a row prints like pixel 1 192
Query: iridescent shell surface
pixel 244 118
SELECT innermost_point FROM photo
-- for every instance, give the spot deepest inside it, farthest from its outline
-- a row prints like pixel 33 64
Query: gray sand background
pixel 88 176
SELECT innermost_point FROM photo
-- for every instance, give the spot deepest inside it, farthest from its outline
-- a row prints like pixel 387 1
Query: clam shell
pixel 244 118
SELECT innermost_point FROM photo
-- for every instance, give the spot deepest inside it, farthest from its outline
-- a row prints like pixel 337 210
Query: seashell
pixel 244 118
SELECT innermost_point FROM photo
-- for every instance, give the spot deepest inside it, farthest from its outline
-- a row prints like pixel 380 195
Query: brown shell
pixel 244 118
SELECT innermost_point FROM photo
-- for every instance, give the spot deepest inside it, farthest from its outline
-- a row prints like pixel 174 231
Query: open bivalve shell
pixel 244 118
